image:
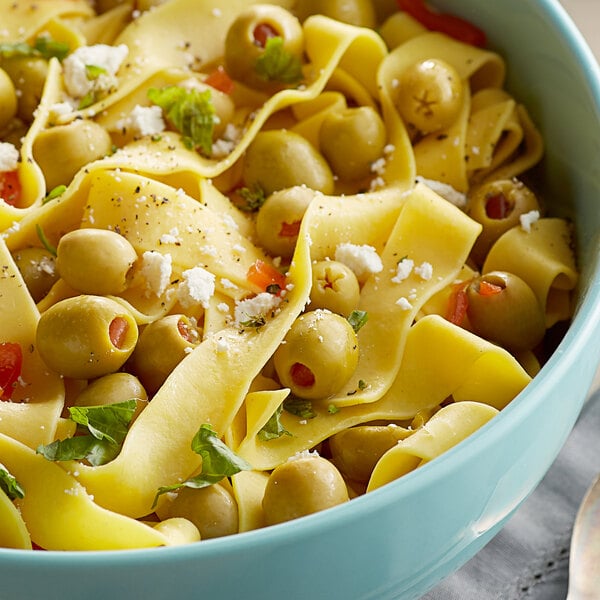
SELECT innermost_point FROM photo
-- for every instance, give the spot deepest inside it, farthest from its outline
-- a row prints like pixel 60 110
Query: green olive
pixel 356 450
pixel 247 38
pixel 498 206
pixel 278 219
pixel 430 95
pixel 8 99
pixel 352 140
pixel 163 344
pixel 38 268
pixel 318 355
pixel 111 389
pixel 280 159
pixel 334 287
pixel 28 76
pixel 213 510
pixel 178 531
pixel 302 486
pixel 95 261
pixel 85 337
pixel 504 309
pixel 354 12
pixel 62 150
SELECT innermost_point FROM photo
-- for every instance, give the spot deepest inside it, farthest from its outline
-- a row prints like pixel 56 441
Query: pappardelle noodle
pixel 256 261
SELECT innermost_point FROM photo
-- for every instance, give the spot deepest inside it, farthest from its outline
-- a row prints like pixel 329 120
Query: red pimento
pixel 489 289
pixel 457 28
pixel 497 206
pixel 220 80
pixel 11 363
pixel 290 229
pixel 262 275
pixel 117 330
pixel 10 187
pixel 301 375
pixel 263 32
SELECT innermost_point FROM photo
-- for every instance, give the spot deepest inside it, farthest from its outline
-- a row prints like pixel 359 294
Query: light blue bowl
pixel 402 539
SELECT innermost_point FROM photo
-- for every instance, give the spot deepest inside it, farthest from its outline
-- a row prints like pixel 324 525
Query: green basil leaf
pixel 357 319
pixel 9 484
pixel 108 422
pixel 278 64
pixel 192 112
pixel 299 407
pixel 273 428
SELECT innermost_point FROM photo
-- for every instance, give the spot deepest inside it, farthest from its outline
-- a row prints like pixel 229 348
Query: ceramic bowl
pixel 402 539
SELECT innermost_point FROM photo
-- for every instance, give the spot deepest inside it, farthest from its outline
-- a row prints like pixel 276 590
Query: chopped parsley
pixel 9 484
pixel 43 47
pixel 299 407
pixel 42 237
pixel 106 427
pixel 191 112
pixel 357 319
pixel 254 322
pixel 332 409
pixel 273 428
pixel 278 64
pixel 54 193
pixel 253 198
pixel 218 462
pixel 92 72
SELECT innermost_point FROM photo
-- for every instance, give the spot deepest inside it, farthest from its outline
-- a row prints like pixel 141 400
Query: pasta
pixel 195 152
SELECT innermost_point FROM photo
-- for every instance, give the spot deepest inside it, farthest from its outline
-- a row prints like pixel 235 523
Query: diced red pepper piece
pixel 11 363
pixel 262 275
pixel 458 304
pixel 220 80
pixel 10 187
pixel 457 28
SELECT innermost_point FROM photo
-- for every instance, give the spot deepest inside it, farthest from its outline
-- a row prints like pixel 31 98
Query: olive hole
pixel 117 331
pixel 498 206
pixel 187 332
pixel 262 33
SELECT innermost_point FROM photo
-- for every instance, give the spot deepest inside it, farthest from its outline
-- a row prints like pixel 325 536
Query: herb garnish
pixel 54 193
pixel 299 407
pixel 42 237
pixel 107 427
pixel 273 428
pixel 218 462
pixel 278 64
pixel 192 112
pixel 357 319
pixel 43 47
pixel 9 484
pixel 253 198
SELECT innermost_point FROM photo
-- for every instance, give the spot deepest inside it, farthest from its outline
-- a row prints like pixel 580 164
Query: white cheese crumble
pixel 403 303
pixel 75 68
pixel 156 270
pixel 403 270
pixel 363 260
pixel 259 306
pixel 528 219
pixel 303 454
pixel 424 270
pixel 446 191
pixel 9 157
pixel 170 238
pixel 143 120
pixel 197 287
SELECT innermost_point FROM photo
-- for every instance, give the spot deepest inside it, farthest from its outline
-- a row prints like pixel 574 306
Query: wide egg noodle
pixel 440 360
pixel 249 489
pixel 60 514
pixel 157 451
pixel 13 533
pixel 446 428
pixel 428 230
pixel 543 257
pixel 37 401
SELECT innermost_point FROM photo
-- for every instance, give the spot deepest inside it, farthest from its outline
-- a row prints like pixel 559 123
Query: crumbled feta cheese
pixel 170 238
pixel 403 270
pixel 363 260
pixel 424 271
pixel 261 305
pixel 9 157
pixel 75 68
pixel 528 219
pixel 222 345
pixel 156 270
pixel 302 454
pixel 227 284
pixel 403 303
pixel 143 120
pixel 446 191
pixel 223 307
pixel 197 287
